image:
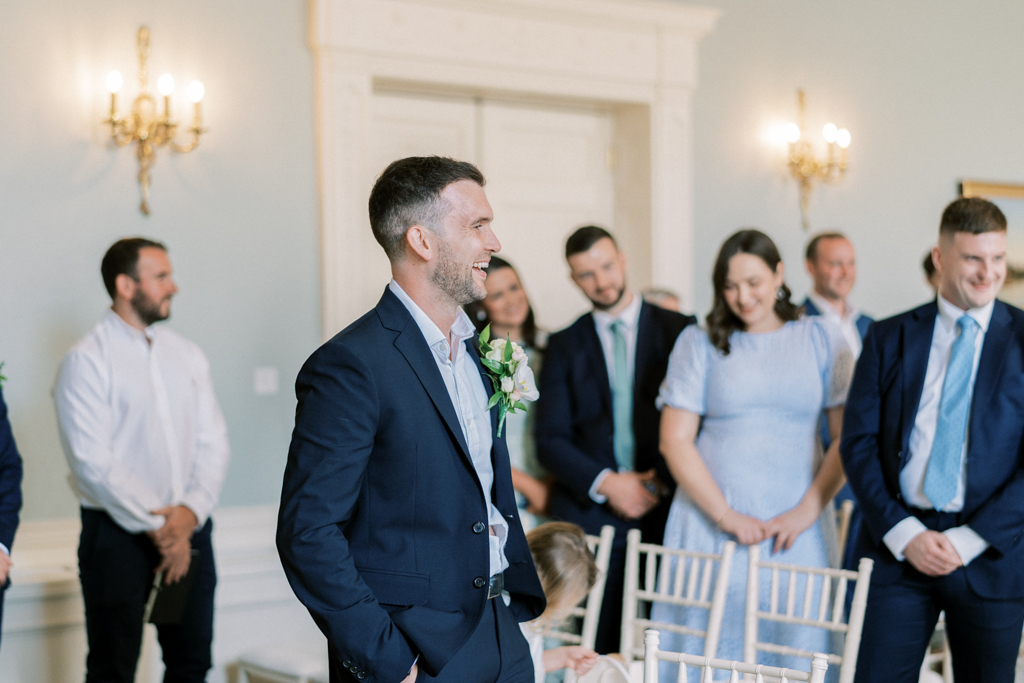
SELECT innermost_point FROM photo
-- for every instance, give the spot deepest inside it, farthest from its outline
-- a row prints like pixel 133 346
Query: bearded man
pixel 597 422
pixel 148 451
pixel 398 526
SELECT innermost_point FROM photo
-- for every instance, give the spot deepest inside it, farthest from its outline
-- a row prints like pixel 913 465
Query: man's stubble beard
pixel 451 279
pixel 606 307
pixel 146 309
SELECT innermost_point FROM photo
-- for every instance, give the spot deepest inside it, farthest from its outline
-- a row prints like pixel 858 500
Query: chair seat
pixel 302 660
pixel 606 670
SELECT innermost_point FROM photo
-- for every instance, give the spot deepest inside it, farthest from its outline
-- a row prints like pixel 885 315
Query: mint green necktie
pixel 622 399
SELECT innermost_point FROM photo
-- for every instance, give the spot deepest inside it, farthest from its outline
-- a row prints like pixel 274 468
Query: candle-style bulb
pixel 829 132
pixel 165 85
pixel 196 91
pixel 791 133
pixel 114 81
pixel 843 138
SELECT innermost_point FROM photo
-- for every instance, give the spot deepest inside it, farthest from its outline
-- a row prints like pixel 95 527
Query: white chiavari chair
pixel 586 614
pixel 938 662
pixel 843 516
pixel 828 586
pixel 690 579
pixel 707 665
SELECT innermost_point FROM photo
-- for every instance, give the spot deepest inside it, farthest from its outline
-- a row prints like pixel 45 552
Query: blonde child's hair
pixel 565 564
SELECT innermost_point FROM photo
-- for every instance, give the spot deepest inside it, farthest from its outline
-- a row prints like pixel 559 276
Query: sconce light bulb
pixel 829 132
pixel 165 85
pixel 114 81
pixel 843 138
pixel 792 133
pixel 196 91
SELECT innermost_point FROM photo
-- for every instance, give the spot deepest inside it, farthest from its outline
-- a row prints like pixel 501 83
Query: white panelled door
pixel 547 171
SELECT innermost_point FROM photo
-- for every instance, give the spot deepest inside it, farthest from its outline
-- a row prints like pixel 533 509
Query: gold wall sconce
pixel 144 126
pixel 804 165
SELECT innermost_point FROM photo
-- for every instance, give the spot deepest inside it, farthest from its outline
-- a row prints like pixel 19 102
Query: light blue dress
pixel 761 407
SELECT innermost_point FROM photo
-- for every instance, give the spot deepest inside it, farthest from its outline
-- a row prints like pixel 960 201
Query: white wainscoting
pixel 44 626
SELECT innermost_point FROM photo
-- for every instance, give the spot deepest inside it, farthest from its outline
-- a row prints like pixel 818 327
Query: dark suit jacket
pixel 879 417
pixel 10 479
pixel 378 529
pixel 575 423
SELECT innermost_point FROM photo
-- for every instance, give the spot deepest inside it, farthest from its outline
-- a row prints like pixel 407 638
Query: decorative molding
pixel 616 54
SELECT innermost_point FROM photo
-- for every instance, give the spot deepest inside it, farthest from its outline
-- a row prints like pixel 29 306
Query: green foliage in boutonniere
pixel 510 375
pixel 2 378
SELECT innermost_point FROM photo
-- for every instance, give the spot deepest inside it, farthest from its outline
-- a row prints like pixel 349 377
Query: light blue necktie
pixel 622 399
pixel 943 473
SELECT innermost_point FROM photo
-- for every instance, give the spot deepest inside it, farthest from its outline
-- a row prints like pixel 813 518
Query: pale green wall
pixel 239 214
pixel 932 92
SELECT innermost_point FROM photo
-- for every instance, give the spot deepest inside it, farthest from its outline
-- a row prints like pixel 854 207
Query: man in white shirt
pixel 932 440
pixel 597 422
pixel 148 451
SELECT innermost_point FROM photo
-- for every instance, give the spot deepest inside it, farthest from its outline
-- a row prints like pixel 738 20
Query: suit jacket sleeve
pixel 10 479
pixel 860 446
pixel 335 424
pixel 556 448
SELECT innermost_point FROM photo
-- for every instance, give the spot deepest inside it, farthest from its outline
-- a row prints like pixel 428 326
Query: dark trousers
pixel 116 569
pixel 984 634
pixel 496 652
pixel 609 625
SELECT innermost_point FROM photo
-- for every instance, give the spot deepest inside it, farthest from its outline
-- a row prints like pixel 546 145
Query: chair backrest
pixel 606 670
pixel 652 655
pixel 589 610
pixel 843 516
pixel 675 577
pixel 828 586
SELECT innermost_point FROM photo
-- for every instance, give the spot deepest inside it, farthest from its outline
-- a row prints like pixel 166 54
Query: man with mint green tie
pixel 597 422
pixel 932 440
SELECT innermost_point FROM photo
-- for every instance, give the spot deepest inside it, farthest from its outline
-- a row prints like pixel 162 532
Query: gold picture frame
pixel 989 190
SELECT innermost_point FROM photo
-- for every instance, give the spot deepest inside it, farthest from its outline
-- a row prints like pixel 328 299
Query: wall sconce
pixel 143 126
pixel 804 166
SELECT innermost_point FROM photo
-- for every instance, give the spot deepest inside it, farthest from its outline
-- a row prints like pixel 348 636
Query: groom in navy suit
pixel 597 424
pixel 398 526
pixel 932 444
pixel 10 497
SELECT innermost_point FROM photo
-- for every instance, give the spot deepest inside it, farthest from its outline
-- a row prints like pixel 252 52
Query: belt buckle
pixel 495 586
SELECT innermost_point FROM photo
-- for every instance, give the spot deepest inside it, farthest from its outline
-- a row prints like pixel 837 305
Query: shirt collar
pixel 826 308
pixel 115 321
pixel 629 316
pixel 949 314
pixel 461 329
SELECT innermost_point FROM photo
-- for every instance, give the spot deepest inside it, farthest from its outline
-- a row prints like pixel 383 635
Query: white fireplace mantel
pixel 631 55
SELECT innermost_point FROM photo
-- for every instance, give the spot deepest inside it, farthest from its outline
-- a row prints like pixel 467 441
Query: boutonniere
pixel 2 378
pixel 510 375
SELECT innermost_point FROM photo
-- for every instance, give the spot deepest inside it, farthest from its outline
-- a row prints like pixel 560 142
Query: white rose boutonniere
pixel 510 375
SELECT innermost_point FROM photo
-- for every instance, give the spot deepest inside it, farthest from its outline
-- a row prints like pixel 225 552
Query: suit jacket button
pixel 361 675
pixel 347 663
pixel 479 527
pixel 479 582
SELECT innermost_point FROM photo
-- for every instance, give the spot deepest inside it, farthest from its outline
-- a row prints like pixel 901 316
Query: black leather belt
pixel 495 586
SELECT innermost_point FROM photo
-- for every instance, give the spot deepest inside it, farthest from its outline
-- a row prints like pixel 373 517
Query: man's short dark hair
pixel 584 238
pixel 123 259
pixel 812 247
pixel 972 215
pixel 408 193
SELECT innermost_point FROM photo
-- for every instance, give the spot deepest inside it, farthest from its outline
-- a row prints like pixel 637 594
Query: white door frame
pixel 638 57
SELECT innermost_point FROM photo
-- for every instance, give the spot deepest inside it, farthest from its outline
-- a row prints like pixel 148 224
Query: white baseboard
pixel 44 622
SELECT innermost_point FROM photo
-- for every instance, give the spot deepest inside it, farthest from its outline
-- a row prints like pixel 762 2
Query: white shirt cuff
pixel 967 543
pixel 900 536
pixel 598 480
pixel 7 551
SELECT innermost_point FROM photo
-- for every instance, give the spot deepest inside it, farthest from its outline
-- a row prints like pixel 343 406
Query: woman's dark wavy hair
pixel 478 314
pixel 722 322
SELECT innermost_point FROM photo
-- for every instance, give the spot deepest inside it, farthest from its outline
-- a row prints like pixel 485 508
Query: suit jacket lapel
pixel 917 344
pixel 413 346
pixel 598 365
pixel 644 349
pixel 990 365
pixel 809 307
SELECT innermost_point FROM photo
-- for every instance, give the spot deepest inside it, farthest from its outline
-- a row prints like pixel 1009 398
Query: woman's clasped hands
pixel 784 528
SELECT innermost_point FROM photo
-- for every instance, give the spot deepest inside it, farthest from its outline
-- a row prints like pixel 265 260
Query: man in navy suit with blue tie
pixel 398 526
pixel 10 495
pixel 932 442
pixel 597 423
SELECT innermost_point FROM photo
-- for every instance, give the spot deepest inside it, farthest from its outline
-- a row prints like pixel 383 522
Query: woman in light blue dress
pixel 741 404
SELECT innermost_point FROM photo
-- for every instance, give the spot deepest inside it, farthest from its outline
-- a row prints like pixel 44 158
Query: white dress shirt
pixel 140 424
pixel 847 323
pixel 603 321
pixel 466 388
pixel 967 543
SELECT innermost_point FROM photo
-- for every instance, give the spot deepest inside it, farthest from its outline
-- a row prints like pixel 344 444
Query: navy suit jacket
pixel 378 528
pixel 879 417
pixel 575 425
pixel 10 479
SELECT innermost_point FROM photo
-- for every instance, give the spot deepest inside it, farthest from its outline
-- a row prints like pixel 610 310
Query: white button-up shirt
pixel 603 321
pixel 847 323
pixel 967 542
pixel 140 424
pixel 465 386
